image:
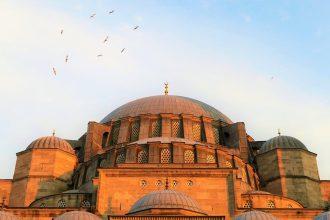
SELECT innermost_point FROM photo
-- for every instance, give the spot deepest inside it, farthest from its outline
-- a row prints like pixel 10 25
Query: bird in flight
pixel 112 11
pixel 100 55
pixel 136 27
pixel 54 71
pixel 66 58
pixel 122 50
pixel 62 31
pixel 106 39
pixel 92 16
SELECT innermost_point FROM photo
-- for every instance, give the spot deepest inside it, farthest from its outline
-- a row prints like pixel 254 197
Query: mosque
pixel 165 157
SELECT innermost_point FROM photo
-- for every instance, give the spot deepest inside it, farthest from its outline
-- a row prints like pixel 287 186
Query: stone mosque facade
pixel 165 157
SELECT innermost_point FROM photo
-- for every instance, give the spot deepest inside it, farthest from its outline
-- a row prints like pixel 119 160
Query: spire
pixel 166 88
pixel 279 132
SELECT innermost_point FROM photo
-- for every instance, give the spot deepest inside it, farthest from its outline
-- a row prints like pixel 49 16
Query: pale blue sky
pixel 220 52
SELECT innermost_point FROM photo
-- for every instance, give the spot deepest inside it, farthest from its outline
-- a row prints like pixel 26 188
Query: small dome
pixel 323 216
pixel 255 215
pixel 165 199
pixel 77 215
pixel 7 216
pixel 51 142
pixel 282 142
pixel 166 104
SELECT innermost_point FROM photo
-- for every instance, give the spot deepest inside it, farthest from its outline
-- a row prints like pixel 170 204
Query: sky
pixel 265 63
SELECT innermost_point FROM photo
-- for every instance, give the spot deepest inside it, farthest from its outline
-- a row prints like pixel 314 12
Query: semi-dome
pixel 282 141
pixel 255 215
pixel 51 142
pixel 78 215
pixel 165 199
pixel 166 104
pixel 7 216
pixel 323 216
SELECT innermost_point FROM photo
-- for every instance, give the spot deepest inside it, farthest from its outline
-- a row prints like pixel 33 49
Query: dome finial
pixel 53 132
pixel 279 132
pixel 166 88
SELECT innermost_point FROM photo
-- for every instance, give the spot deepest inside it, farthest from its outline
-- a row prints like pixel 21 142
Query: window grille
pixel 189 156
pixel 120 158
pixel 42 205
pixel 159 183
pixel 190 183
pixel 197 131
pixel 85 204
pixel 175 183
pixel 135 130
pixel 165 155
pixel 156 128
pixel 270 204
pixel 142 157
pixel 61 203
pixel 115 133
pixel 210 158
pixel 177 128
pixel 247 204
pixel 216 135
pixel 143 183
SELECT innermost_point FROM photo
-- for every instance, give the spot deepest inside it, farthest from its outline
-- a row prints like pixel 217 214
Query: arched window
pixel 114 133
pixel 177 128
pixel 135 130
pixel 189 156
pixel 121 157
pixel 165 155
pixel 105 139
pixel 210 158
pixel 155 128
pixel 142 157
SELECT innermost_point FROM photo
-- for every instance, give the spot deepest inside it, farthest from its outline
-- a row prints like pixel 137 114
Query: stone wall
pixel 5 188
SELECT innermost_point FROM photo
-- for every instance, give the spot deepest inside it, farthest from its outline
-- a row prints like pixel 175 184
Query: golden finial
pixel 53 132
pixel 279 132
pixel 166 88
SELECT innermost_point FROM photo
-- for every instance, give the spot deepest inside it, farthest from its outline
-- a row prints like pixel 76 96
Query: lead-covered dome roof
pixel 77 215
pixel 282 141
pixel 165 199
pixel 166 104
pixel 255 215
pixel 51 142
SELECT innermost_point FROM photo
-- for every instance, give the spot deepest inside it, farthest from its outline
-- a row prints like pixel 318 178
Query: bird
pixel 112 11
pixel 122 50
pixel 54 71
pixel 62 31
pixel 136 27
pixel 92 16
pixel 99 55
pixel 66 58
pixel 106 39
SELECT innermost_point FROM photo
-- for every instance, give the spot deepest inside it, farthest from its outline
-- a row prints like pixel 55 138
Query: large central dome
pixel 166 104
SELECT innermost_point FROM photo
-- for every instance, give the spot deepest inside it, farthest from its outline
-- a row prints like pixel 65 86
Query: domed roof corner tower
pixel 290 170
pixel 43 169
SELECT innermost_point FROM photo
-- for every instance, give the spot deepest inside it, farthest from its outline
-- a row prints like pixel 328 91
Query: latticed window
pixel 135 130
pixel 210 158
pixel 42 205
pixel 142 157
pixel 61 203
pixel 189 156
pixel 165 155
pixel 177 128
pixel 270 204
pixel 121 157
pixel 228 164
pixel 85 204
pixel 216 135
pixel 197 131
pixel 115 133
pixel 155 128
pixel 247 204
